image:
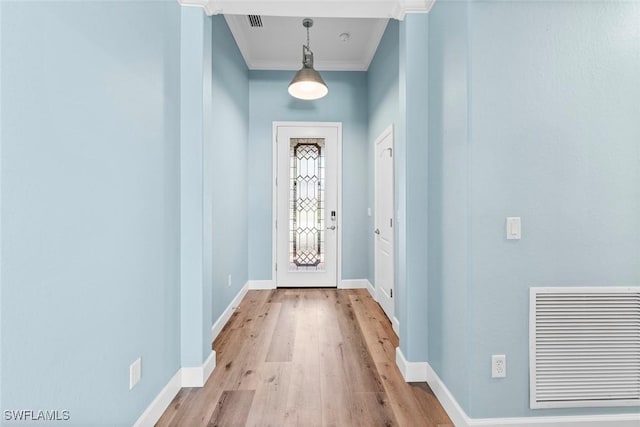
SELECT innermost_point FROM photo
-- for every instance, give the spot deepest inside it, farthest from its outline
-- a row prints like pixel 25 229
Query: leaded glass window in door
pixel 306 204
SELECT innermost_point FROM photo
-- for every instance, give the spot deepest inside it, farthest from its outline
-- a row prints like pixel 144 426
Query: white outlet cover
pixel 498 366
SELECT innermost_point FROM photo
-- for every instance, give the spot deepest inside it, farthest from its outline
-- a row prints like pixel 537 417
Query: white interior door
pixel 384 222
pixel 306 194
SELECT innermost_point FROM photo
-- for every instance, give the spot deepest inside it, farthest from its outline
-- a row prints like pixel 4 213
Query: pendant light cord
pixel 307 55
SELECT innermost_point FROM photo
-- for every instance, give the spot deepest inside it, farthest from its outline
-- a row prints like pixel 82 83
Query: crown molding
pixel 318 8
pixel 204 4
pixel 268 65
pixel 405 7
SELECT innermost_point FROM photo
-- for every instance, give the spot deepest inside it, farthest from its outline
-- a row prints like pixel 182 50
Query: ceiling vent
pixel 255 20
pixel 585 347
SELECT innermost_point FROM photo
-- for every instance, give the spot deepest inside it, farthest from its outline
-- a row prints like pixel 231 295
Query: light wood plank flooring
pixel 306 357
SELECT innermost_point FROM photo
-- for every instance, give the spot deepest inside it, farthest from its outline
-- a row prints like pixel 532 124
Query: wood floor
pixel 306 357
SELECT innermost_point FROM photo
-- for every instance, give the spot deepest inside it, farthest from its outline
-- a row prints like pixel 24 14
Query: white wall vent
pixel 584 347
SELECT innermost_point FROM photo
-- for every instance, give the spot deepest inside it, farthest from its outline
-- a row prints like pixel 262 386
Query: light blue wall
pixel 383 75
pixel 195 293
pixel 90 205
pixel 215 107
pixel 208 195
pixel 227 163
pixel 448 306
pixel 531 114
pixel 414 97
pixel 1 245
pixel 383 110
pixel 398 95
pixel 554 139
pixel 346 103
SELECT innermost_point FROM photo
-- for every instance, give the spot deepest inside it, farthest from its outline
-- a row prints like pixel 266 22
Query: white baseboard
pixel 461 419
pixel 371 290
pixel 354 284
pixel 228 312
pixel 154 411
pixel 395 324
pixel 197 376
pixel 261 284
pixel 411 371
pixel 629 420
pixel 208 366
pixel 446 399
pixel 185 377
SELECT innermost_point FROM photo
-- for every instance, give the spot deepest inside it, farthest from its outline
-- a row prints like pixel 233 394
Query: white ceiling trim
pixel 324 66
pixel 320 8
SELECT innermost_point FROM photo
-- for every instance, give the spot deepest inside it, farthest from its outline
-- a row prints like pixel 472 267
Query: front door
pixel 384 241
pixel 307 204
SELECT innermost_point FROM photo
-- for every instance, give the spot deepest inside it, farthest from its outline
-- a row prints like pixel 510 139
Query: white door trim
pixel 274 193
pixel 388 131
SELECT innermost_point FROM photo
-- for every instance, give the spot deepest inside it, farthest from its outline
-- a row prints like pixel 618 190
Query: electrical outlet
pixel 229 281
pixel 135 372
pixel 498 366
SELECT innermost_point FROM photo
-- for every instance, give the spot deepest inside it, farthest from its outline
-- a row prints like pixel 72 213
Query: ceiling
pixel 277 44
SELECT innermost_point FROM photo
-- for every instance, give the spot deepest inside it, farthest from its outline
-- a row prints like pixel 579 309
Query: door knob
pixel 377 231
pixel 333 227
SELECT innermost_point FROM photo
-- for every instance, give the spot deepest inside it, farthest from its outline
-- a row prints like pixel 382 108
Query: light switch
pixel 514 228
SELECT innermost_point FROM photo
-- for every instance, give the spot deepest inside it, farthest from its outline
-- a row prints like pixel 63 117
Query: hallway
pixel 306 357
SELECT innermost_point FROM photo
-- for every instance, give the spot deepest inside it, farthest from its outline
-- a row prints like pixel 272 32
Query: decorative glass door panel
pixel 306 206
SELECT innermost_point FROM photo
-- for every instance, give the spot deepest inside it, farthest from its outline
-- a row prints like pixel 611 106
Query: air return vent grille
pixel 584 347
pixel 255 20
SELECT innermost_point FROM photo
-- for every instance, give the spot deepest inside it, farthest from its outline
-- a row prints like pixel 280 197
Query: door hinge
pixel 390 222
pixel 276 266
pixel 390 152
pixel 390 293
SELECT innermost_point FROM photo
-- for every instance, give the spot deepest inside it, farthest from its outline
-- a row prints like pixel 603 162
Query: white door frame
pixel 388 131
pixel 274 194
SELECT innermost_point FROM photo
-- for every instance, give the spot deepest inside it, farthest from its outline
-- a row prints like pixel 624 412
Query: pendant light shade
pixel 307 83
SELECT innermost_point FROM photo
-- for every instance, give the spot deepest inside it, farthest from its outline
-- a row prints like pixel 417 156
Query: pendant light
pixel 307 83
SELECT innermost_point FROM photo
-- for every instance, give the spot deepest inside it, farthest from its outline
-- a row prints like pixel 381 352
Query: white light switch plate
pixel 514 228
